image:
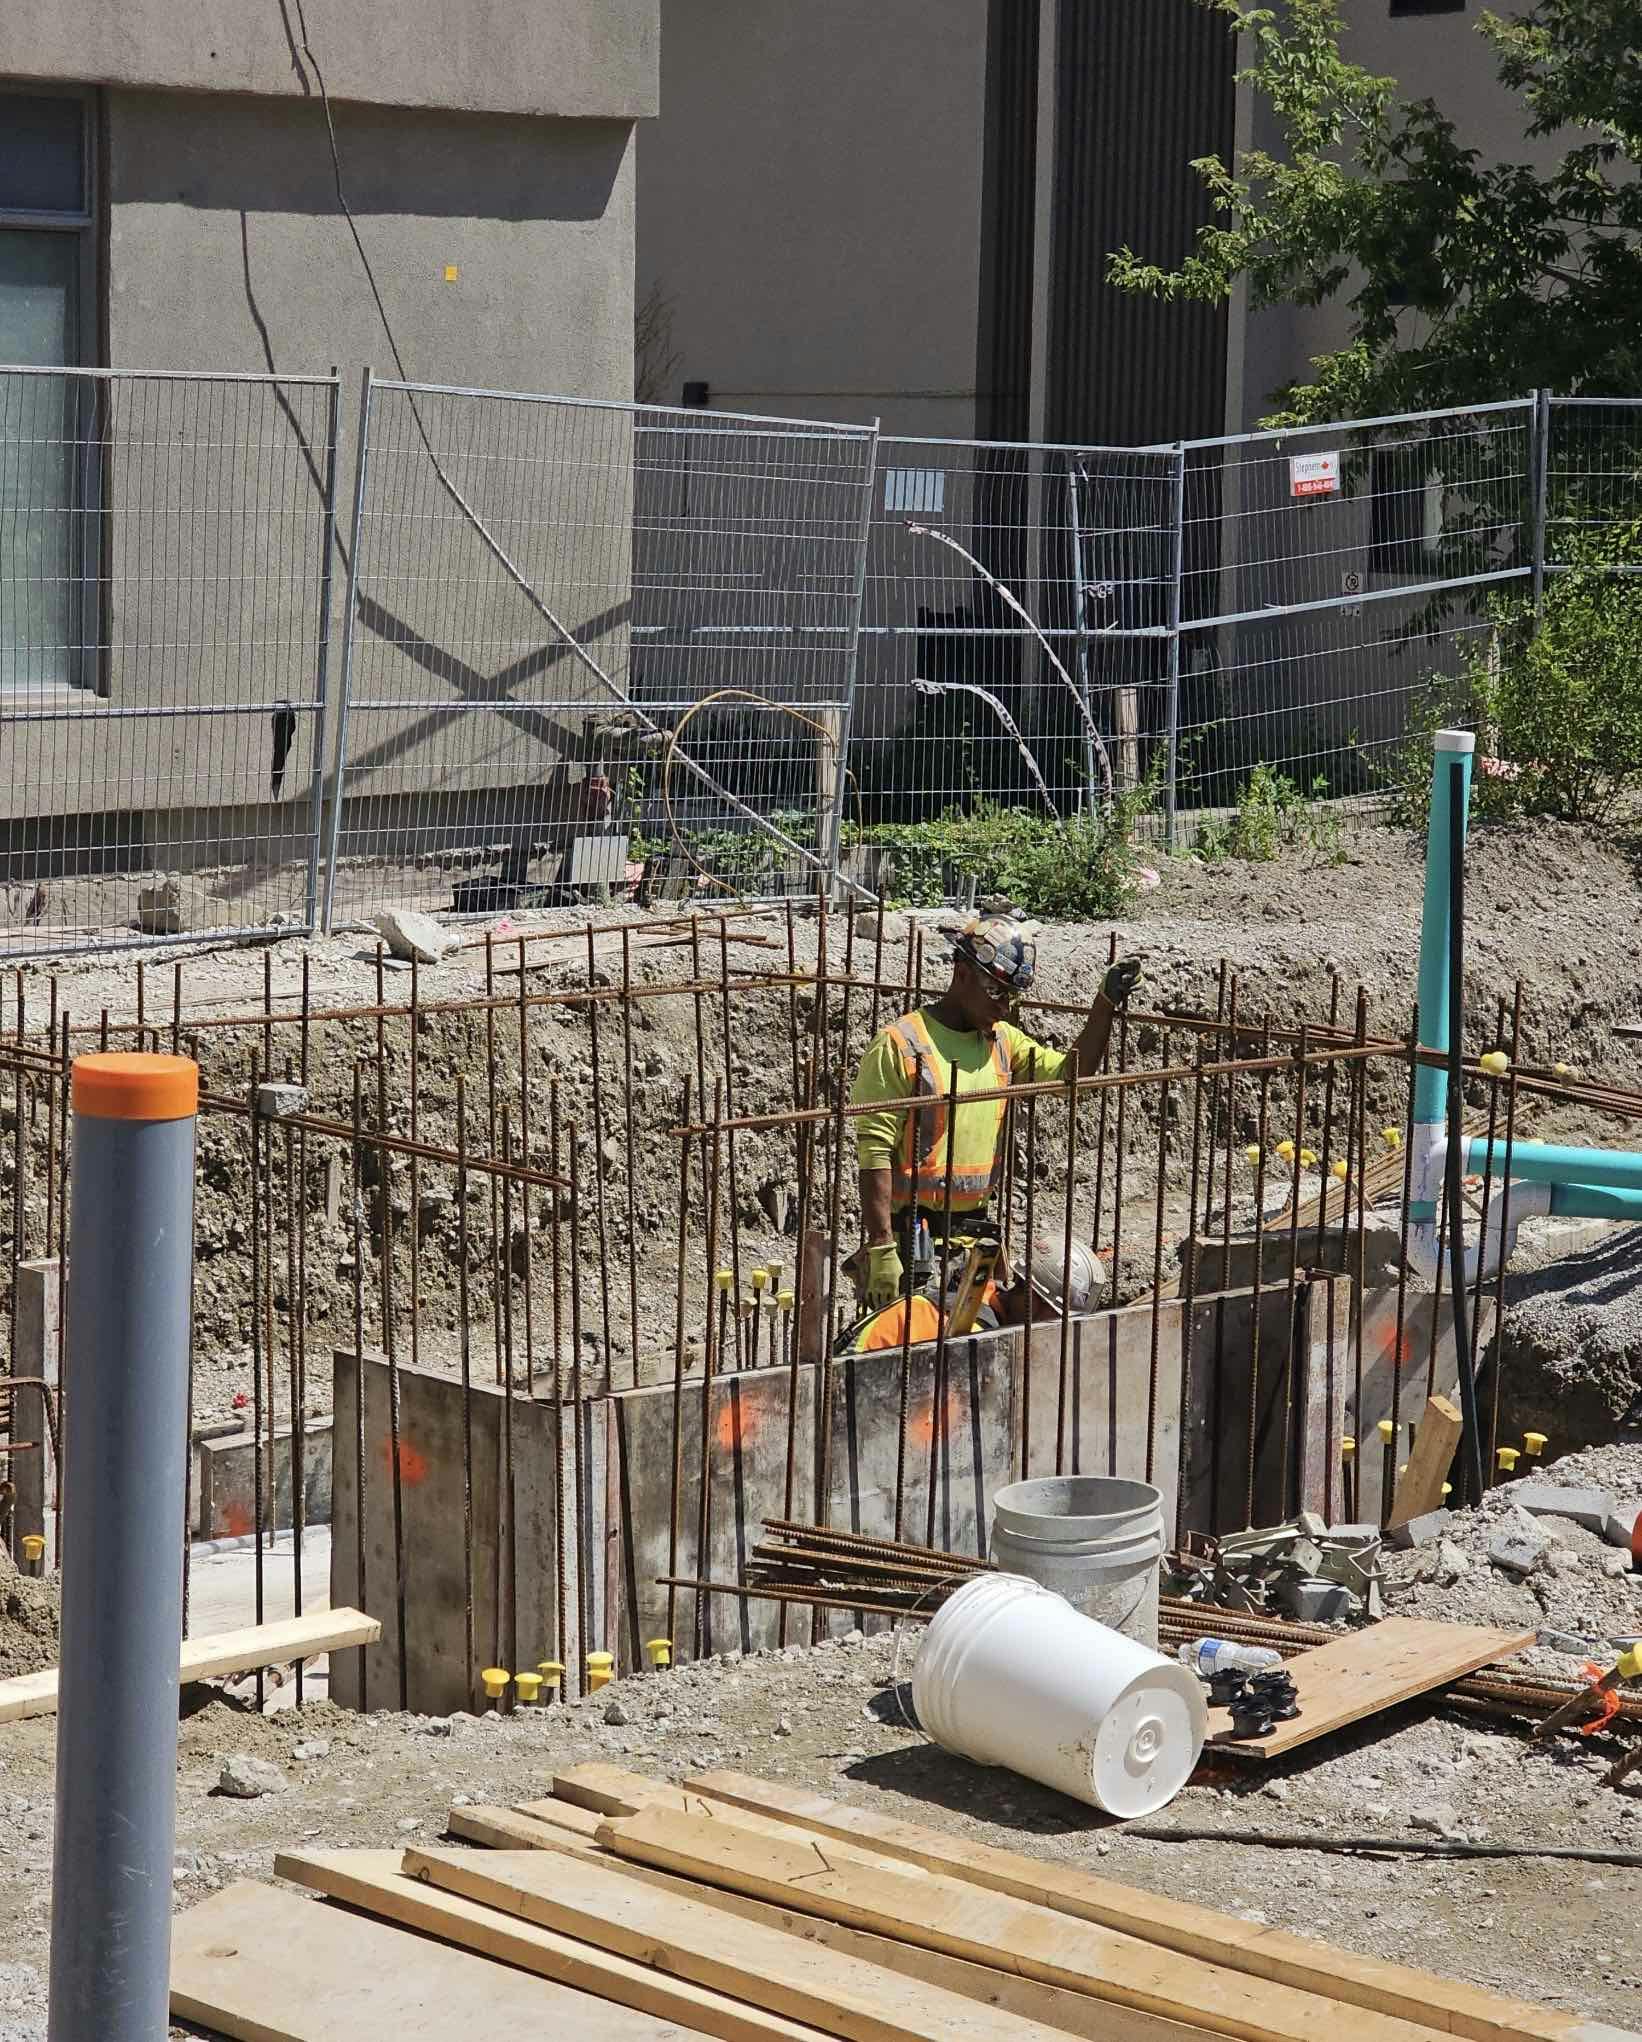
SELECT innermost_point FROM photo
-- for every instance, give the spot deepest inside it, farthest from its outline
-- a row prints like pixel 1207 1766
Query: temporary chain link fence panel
pixel 1331 577
pixel 593 645
pixel 1591 488
pixel 164 592
pixel 1013 637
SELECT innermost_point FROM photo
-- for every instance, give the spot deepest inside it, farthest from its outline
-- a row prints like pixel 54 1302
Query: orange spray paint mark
pixel 413 1464
pixel 740 1419
pixel 235 1520
pixel 921 1418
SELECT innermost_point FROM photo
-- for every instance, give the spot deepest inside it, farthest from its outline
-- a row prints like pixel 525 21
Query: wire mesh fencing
pixel 164 592
pixel 1014 629
pixel 1331 578
pixel 1591 487
pixel 580 648
pixel 1049 626
pixel 592 646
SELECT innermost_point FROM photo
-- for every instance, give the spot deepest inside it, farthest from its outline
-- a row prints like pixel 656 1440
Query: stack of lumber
pixel 738 1908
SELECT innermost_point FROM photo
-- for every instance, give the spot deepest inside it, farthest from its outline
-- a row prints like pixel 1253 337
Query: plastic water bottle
pixel 1208 1656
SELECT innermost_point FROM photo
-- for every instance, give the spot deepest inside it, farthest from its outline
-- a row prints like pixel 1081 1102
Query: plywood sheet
pixel 1370 1670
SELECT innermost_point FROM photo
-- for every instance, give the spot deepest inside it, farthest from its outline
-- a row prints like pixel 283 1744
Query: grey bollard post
pixel 125 1402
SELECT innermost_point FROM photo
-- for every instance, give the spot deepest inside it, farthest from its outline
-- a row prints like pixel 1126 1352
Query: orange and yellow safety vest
pixel 919 1172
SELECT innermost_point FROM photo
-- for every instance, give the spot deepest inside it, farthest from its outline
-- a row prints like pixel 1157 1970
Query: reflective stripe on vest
pixel 919 1173
pixel 888 1327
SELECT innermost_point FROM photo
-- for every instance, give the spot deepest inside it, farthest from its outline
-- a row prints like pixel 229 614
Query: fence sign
pixel 1314 475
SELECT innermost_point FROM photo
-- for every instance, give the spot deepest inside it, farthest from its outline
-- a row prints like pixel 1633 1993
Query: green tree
pixel 1464 279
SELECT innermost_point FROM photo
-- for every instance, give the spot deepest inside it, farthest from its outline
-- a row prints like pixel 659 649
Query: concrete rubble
pixel 1306 1569
pixel 1534 1555
pixel 245 1778
pixel 410 935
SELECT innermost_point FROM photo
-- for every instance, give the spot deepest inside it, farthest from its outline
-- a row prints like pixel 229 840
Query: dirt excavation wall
pixel 474 1540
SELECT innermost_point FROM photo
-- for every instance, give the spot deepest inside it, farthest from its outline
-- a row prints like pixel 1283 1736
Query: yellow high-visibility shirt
pixel 881 1139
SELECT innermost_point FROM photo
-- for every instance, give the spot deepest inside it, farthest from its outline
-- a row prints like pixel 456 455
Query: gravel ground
pixel 1573 1335
pixel 28 1620
pixel 1558 1931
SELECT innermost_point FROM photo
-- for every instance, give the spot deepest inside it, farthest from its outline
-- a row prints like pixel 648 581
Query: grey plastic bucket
pixel 1097 1540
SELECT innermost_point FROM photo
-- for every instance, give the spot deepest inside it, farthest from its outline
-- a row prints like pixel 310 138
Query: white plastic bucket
pixel 1010 1674
pixel 1094 1539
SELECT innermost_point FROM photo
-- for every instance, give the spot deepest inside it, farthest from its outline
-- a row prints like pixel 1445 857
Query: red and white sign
pixel 1314 475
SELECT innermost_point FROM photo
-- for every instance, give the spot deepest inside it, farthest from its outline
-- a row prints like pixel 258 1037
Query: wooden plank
pixel 242 1651
pixel 262 1965
pixel 1067 2012
pixel 1370 1670
pixel 987 1928
pixel 502 1829
pixel 788 1974
pixel 609 1790
pixel 1419 1487
pixel 373 1881
pixel 1180 1925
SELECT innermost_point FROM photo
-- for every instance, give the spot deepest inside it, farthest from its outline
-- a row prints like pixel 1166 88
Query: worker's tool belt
pixel 920 1169
pixel 977 1221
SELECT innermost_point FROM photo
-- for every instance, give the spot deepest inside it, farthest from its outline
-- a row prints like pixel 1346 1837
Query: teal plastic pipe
pixel 1596 1202
pixel 1430 1083
pixel 1550 1163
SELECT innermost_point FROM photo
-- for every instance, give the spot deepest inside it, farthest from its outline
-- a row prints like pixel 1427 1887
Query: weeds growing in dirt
pixel 1077 868
pixel 1272 816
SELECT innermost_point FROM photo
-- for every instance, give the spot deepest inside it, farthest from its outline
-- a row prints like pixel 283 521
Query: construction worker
pixel 1040 1291
pixel 903 1157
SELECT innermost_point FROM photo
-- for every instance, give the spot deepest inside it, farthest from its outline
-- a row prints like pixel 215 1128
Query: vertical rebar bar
pixel 632 1153
pixel 464 1356
pixel 676 1464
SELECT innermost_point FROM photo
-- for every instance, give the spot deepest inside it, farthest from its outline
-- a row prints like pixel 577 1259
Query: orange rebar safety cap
pixel 130 1085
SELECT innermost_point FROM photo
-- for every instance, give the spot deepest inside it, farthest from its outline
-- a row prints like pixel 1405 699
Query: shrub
pixel 1559 708
pixel 1078 869
pixel 1272 816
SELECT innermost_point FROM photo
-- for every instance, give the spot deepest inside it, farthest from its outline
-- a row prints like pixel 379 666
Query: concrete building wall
pixel 503 247
pixel 564 57
pixel 810 203
pixel 227 251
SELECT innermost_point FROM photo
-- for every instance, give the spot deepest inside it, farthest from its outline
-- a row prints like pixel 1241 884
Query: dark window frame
pixel 88 677
pixel 1401 9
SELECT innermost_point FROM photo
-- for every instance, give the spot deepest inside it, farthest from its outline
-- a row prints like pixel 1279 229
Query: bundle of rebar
pixel 846 1570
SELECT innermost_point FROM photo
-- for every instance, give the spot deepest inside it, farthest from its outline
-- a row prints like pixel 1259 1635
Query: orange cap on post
pixel 129 1085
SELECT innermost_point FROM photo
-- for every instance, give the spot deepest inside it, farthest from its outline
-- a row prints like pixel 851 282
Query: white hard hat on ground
pixel 1054 1275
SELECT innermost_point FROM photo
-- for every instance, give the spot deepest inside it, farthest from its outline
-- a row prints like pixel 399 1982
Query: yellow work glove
pixel 884 1275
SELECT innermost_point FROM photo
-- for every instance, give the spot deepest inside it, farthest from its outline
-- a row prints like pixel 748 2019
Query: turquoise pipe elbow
pixel 1430 1082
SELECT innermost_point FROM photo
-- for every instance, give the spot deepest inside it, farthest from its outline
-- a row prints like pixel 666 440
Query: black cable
pixel 498 552
pixel 347 214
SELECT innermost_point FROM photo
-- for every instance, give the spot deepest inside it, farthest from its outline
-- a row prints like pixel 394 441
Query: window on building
pixel 1427 6
pixel 45 321
pixel 1405 513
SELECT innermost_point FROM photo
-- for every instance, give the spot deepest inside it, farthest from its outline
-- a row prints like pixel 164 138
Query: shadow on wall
pixel 228 155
